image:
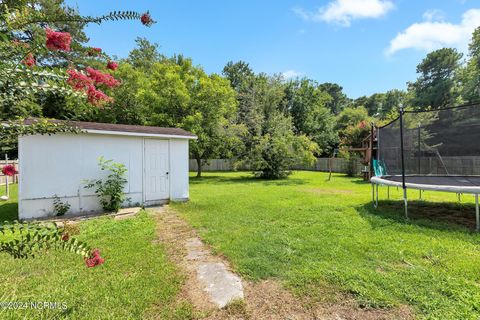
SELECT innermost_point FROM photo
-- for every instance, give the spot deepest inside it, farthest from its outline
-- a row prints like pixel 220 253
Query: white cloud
pixel 302 13
pixel 344 11
pixel 434 15
pixel 290 74
pixel 430 35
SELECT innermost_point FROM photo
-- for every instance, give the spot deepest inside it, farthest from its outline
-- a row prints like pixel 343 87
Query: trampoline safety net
pixel 443 142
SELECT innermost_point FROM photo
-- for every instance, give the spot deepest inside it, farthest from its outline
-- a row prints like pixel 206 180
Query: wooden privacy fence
pixel 466 165
pixel 322 164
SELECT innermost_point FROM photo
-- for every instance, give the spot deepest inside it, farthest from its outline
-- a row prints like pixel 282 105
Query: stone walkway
pixel 210 273
pixel 222 285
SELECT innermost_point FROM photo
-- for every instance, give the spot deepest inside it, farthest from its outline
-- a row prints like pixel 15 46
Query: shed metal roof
pixel 124 129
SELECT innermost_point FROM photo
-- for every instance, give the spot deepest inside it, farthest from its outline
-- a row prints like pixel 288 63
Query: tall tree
pixel 393 99
pixel 469 75
pixel 238 73
pixel 250 112
pixel 306 103
pixel 434 87
pixel 353 125
pixel 179 94
pixel 145 54
pixel 44 63
pixel 339 99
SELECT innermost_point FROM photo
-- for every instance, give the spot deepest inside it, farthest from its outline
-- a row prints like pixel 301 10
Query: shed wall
pixel 60 165
pixel 179 170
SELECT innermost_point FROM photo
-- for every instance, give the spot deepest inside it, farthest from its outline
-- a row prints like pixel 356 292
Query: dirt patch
pixel 270 300
pixel 262 300
pixel 449 213
pixel 174 233
pixel 327 191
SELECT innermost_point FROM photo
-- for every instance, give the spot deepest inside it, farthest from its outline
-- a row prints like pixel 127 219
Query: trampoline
pixel 436 150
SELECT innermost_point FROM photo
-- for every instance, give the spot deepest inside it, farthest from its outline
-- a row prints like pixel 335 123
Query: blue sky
pixel 366 46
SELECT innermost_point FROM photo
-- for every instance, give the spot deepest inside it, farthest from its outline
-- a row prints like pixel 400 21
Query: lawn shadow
pixel 360 181
pixel 8 212
pixel 428 214
pixel 244 179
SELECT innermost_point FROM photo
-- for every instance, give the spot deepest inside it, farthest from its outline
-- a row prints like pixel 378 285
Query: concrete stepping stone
pixel 222 285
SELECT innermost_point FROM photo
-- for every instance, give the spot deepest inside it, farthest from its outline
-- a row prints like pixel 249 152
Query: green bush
pixel 60 207
pixel 279 149
pixel 110 189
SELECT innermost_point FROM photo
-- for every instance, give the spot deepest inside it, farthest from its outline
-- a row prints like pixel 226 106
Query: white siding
pixel 60 164
pixel 179 170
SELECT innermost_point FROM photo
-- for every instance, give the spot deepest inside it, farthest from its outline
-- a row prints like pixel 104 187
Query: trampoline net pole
pixel 477 213
pixel 402 156
pixel 373 195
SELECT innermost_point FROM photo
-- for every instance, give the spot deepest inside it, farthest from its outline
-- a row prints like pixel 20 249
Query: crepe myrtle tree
pixel 40 55
pixel 27 240
pixel 42 51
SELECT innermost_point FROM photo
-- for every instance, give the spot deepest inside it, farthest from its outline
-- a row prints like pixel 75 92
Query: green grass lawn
pixel 9 209
pixel 317 235
pixel 135 282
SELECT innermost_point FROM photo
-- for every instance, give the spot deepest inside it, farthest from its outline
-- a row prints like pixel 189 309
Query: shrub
pixel 279 149
pixel 110 189
pixel 60 208
pixel 25 240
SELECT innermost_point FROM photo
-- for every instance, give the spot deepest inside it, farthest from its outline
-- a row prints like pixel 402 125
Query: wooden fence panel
pixel 322 164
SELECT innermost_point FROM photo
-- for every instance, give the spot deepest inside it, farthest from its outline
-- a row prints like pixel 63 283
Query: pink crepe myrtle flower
pixel 29 60
pixel 78 80
pixel 58 40
pixel 146 19
pixel 94 259
pixel 94 51
pixel 102 78
pixel 97 97
pixel 112 65
pixel 9 170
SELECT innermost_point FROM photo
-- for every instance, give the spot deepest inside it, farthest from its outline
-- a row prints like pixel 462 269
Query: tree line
pixel 265 121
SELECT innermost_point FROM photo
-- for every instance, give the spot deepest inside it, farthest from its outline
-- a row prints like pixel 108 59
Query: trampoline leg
pixel 477 213
pixel 405 201
pixel 373 195
pixel 420 194
pixel 376 196
pixel 388 192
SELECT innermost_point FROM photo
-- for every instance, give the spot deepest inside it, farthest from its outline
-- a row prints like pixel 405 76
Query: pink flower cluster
pixel 80 81
pixel 29 60
pixel 97 97
pixel 146 19
pixel 102 78
pixel 9 170
pixel 58 40
pixel 94 51
pixel 112 65
pixel 94 259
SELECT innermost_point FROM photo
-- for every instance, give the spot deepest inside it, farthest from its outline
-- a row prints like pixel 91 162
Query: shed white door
pixel 156 170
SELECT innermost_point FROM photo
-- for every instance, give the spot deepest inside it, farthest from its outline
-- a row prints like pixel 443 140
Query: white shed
pixel 156 159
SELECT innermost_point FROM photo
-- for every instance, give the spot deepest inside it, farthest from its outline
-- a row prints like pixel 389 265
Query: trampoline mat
pixel 457 181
